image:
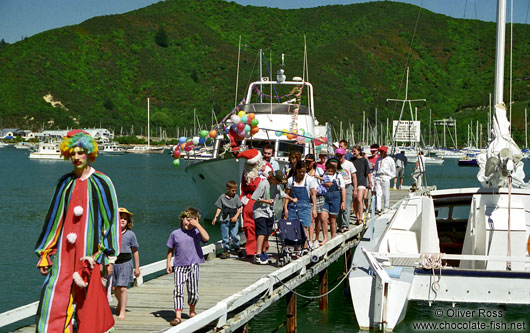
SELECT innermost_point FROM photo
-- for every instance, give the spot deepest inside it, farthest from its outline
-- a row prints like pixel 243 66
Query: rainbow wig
pixel 80 139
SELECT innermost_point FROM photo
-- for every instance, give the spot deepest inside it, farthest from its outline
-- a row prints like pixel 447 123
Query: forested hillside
pixel 183 55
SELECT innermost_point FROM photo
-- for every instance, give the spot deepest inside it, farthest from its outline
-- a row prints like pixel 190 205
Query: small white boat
pixel 112 148
pixel 47 151
pixel 3 144
pixel 146 150
pixel 24 145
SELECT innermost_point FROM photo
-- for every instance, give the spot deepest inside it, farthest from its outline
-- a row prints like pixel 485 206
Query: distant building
pixel 8 133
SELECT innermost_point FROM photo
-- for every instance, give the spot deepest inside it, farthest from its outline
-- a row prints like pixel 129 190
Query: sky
pixel 24 18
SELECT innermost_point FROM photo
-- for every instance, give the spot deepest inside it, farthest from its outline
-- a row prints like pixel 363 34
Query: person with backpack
pixel 401 164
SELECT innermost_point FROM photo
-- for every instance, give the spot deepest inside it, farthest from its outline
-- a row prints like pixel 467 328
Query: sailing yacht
pixel 459 245
pixel 146 149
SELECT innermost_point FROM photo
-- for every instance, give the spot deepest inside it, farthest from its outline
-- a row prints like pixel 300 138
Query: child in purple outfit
pixel 184 245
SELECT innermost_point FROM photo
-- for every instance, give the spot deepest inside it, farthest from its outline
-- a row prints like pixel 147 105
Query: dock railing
pixel 29 310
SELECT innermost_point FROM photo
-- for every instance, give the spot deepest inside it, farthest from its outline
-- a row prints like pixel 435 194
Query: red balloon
pixel 241 126
pixel 176 153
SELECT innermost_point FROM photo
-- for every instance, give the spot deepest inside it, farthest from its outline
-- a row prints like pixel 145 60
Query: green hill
pixel 183 55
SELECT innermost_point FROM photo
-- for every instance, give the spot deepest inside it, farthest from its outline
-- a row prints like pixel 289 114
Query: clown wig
pixel 82 140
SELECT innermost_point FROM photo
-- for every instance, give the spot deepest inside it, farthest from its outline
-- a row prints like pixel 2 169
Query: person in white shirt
pixel 348 172
pixel 419 169
pixel 384 171
pixel 268 156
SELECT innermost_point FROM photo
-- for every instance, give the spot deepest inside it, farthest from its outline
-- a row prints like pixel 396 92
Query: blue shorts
pixel 331 203
pixel 263 226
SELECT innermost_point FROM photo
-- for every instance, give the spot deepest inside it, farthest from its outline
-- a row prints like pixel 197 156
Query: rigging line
pixel 237 72
pixel 511 62
pixel 270 75
pixel 524 35
pixel 408 57
pixel 252 72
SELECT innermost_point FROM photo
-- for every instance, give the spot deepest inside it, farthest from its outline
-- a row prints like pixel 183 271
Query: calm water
pixel 155 191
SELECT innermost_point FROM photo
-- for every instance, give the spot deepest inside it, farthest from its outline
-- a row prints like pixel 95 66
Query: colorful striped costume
pixel 82 221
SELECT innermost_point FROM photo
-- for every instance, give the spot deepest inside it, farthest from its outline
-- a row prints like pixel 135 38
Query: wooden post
pixel 347 265
pixel 322 289
pixel 291 312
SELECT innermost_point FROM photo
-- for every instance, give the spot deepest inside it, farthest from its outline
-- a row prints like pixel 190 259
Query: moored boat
pixel 47 151
pixel 111 148
pixel 458 245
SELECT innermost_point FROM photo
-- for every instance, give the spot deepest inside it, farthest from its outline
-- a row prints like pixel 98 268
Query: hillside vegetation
pixel 183 55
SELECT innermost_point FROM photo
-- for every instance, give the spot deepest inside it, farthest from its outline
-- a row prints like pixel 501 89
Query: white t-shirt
pixel 348 169
pixel 338 179
pixel 310 182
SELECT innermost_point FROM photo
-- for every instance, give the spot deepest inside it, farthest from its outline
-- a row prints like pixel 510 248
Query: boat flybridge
pixel 290 109
pixel 460 245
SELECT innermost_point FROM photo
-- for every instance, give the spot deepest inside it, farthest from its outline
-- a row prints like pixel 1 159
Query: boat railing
pixel 414 259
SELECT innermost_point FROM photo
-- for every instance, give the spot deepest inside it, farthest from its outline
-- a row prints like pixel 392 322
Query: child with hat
pixel 124 266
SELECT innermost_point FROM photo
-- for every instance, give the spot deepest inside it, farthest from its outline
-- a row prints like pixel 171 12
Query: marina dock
pixel 232 291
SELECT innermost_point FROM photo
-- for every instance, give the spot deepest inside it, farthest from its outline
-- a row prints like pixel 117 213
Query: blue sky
pixel 24 18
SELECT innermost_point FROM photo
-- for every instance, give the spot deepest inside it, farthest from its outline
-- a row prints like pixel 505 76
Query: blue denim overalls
pixel 303 205
pixel 332 198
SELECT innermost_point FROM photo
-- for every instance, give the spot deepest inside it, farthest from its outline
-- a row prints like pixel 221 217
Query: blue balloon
pixel 227 129
pixel 202 141
pixel 182 139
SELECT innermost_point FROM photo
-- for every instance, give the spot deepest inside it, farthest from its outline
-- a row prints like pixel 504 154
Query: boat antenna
pixel 237 71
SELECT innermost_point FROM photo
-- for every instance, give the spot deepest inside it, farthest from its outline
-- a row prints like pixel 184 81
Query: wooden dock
pixel 232 291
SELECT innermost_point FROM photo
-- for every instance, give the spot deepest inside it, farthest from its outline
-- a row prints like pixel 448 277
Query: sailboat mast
pixel 499 55
pixel 148 126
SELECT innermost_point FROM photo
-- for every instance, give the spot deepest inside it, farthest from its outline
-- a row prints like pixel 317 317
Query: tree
pixel 161 37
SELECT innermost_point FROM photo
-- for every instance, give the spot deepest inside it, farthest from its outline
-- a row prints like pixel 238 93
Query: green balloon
pixel 176 162
pixel 204 133
pixel 254 122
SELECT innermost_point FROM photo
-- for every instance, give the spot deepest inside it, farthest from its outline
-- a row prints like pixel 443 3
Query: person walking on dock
pixel 334 198
pixel 385 170
pixel 229 208
pixel 419 170
pixel 401 164
pixel 81 233
pixel 125 267
pixel 249 183
pixel 184 245
pixel 364 182
pixel 348 172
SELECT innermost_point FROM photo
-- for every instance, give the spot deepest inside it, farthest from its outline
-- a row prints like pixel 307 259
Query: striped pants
pixel 189 275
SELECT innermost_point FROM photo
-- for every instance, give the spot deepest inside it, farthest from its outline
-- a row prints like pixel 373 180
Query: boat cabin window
pixel 275 107
pixel 451 223
pixel 287 147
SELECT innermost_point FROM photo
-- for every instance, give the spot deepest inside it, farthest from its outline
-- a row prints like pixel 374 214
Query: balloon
pixel 317 142
pixel 202 141
pixel 235 118
pixel 176 162
pixel 254 122
pixel 248 134
pixel 308 135
pixel 255 130
pixel 189 143
pixel 290 136
pixel 244 119
pixel 227 129
pixel 251 116
pixel 302 130
pixel 300 139
pixel 182 139
pixel 234 128
pixel 247 128
pixel 188 148
pixel 324 139
pixel 278 133
pixel 176 153
pixel 240 127
pixel 318 149
pixel 203 133
pixel 241 114
pixel 241 133
pixel 284 132
pixel 307 140
pixel 195 140
pixel 213 133
pixel 182 146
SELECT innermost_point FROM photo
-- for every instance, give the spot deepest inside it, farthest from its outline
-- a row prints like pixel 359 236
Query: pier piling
pixel 323 289
pixel 291 312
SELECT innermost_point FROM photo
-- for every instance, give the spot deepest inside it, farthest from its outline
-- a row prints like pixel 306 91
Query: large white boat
pixel 460 245
pixel 210 176
pixel 47 151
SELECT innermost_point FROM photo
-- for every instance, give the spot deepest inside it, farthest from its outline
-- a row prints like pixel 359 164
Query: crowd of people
pixel 86 234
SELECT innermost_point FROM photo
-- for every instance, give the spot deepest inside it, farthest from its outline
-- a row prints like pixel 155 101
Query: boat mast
pixel 148 126
pixel 499 53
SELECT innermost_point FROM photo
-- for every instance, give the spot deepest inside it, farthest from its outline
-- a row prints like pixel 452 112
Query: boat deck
pixel 232 291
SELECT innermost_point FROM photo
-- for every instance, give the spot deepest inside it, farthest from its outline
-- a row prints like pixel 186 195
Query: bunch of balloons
pixel 187 144
pixel 243 125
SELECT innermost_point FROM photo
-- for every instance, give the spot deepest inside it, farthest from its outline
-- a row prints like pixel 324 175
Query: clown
pixel 80 233
pixel 249 182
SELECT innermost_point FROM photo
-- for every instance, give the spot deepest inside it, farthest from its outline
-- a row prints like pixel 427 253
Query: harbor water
pixel 156 191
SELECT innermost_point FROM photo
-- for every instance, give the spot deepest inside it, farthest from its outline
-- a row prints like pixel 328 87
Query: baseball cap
pixel 340 151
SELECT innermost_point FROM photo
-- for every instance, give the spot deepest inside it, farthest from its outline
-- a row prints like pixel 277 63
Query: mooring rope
pixel 319 296
pixel 433 261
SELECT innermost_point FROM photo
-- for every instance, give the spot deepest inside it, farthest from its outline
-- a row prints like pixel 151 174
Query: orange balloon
pixel 290 136
pixel 254 130
pixel 213 133
pixel 251 116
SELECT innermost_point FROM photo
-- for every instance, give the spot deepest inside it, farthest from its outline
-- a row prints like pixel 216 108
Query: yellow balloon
pixel 241 114
pixel 284 131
